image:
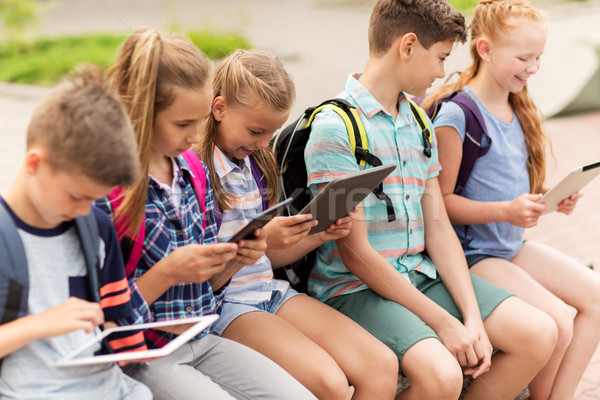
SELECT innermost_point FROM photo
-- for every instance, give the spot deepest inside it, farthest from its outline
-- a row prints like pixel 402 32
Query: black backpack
pixel 289 146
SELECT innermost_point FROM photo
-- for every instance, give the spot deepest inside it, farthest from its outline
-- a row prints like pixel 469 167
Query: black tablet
pixel 247 232
pixel 342 194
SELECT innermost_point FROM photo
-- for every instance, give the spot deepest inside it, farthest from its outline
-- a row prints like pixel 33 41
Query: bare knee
pixel 440 381
pixel 564 319
pixel 332 385
pixel 379 373
pixel 539 338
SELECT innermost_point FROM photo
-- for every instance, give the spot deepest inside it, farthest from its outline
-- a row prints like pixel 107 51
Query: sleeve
pixel 115 294
pixel 451 115
pixel 328 154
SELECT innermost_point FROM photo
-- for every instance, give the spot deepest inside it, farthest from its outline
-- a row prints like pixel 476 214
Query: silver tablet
pixel 344 193
pixel 200 324
pixel 570 184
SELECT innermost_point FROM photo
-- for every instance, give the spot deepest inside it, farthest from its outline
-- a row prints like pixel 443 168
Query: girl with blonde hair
pixel 164 82
pixel 503 191
pixel 325 350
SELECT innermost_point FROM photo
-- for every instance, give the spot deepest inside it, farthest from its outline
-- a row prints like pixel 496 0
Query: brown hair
pixel 432 21
pixel 150 64
pixel 491 19
pixel 85 130
pixel 244 78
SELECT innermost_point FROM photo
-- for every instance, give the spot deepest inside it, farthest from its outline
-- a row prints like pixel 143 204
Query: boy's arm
pixel 445 251
pixel 72 315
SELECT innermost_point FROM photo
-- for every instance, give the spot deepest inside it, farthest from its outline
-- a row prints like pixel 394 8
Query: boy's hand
pixel 284 232
pixel 250 250
pixel 568 205
pixel 199 262
pixel 336 231
pixel 70 316
pixel 524 211
pixel 469 345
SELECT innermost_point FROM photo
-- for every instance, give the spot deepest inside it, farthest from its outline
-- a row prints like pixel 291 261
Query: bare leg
pixel 432 371
pixel 525 337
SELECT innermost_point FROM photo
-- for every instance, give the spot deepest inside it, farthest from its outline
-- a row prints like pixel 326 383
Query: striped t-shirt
pixel 253 284
pixel 328 155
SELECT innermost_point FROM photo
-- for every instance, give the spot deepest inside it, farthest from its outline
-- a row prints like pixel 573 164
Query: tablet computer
pixel 342 194
pixel 200 323
pixel 570 184
pixel 247 232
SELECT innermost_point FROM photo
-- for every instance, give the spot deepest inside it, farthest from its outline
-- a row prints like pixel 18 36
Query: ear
pixel 34 159
pixel 218 108
pixel 484 49
pixel 407 44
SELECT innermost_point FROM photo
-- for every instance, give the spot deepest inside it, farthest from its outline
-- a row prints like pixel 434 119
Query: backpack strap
pixel 130 247
pixel 87 228
pixel 358 143
pixel 14 281
pixel 261 181
pixel 419 115
pixel 472 145
pixel 198 178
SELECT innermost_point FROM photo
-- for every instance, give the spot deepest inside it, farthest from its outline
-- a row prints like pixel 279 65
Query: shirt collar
pixel 364 99
pixel 223 165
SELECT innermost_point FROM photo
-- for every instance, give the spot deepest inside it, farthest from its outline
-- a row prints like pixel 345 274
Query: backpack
pixel 289 146
pixel 473 148
pixel 14 274
pixel 132 247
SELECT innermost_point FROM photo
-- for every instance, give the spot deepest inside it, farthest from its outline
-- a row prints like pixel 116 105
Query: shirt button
pixel 410 231
pixel 179 233
pixel 188 309
pixel 404 163
pixel 407 196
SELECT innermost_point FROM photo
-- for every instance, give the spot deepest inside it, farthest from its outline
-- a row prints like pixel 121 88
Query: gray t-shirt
pixel 500 175
pixel 57 271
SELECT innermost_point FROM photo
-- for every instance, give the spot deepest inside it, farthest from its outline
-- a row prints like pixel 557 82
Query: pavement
pixel 320 42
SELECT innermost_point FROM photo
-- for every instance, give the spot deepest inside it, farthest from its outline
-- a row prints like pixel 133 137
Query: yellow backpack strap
pixel 356 131
pixel 426 128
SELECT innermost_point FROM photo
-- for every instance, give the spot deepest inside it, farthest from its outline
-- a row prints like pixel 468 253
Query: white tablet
pixel 342 194
pixel 570 184
pixel 200 324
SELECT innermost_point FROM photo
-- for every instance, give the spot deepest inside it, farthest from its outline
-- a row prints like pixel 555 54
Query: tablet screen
pixel 570 184
pixel 199 324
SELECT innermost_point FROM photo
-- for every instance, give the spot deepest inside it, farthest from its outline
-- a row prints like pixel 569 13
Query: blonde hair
pixel 432 21
pixel 245 78
pixel 492 19
pixel 149 66
pixel 85 130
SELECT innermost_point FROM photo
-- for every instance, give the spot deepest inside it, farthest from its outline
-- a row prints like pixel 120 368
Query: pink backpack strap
pixel 198 180
pixel 116 198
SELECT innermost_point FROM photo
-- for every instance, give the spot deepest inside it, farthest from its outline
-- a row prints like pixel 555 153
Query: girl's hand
pixel 568 205
pixel 284 232
pixel 250 250
pixel 199 262
pixel 70 316
pixel 524 211
pixel 336 231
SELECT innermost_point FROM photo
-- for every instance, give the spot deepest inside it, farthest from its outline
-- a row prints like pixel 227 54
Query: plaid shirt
pixel 167 228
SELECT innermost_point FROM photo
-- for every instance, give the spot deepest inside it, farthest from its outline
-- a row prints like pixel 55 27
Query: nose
pixel 83 207
pixel 264 143
pixel 195 135
pixel 441 71
pixel 534 66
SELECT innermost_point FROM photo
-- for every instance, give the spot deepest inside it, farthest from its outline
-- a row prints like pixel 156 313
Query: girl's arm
pixel 523 211
pixel 447 255
pixel 192 263
pixel 340 229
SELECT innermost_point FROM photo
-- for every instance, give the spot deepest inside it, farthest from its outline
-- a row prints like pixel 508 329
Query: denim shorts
pixel 232 310
pixel 473 259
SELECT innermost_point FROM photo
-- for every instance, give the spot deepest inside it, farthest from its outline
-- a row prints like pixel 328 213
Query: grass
pixel 45 61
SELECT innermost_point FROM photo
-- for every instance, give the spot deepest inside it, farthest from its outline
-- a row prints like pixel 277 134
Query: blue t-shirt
pixel 500 175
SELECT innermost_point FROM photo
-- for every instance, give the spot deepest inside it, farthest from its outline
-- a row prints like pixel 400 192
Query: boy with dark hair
pixel 80 145
pixel 407 281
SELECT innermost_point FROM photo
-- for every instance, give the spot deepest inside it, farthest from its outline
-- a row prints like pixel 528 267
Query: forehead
pixel 525 34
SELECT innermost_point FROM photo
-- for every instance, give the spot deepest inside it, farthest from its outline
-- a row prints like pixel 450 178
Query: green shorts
pixel 398 327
